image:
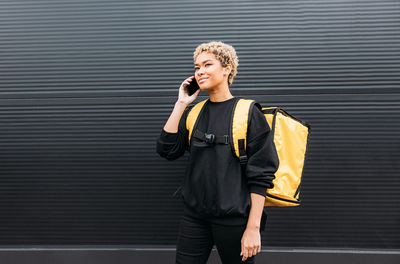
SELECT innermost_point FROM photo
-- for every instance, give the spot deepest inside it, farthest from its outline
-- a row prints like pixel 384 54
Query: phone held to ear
pixel 192 87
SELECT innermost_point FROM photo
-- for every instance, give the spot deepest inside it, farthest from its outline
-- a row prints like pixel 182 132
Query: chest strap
pixel 211 138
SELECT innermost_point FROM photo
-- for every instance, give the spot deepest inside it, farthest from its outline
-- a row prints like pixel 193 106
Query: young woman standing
pixel 223 205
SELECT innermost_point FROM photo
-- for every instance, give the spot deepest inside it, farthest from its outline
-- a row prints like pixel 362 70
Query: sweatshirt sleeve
pixel 171 146
pixel 263 160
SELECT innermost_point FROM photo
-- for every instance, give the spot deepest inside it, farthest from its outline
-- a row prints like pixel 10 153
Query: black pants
pixel 197 237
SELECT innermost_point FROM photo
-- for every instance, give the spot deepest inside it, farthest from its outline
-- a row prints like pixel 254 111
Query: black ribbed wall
pixel 86 86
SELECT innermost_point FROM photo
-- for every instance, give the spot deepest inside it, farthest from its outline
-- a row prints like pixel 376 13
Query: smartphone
pixel 192 87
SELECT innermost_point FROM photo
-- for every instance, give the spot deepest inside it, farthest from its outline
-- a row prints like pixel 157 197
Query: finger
pixel 250 250
pixel 187 81
pixel 246 254
pixel 257 250
pixel 197 92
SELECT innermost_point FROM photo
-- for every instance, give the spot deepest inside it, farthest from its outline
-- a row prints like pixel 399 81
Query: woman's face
pixel 209 72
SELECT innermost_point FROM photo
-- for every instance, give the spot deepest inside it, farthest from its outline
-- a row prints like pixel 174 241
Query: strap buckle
pixel 226 139
pixel 210 138
pixel 243 160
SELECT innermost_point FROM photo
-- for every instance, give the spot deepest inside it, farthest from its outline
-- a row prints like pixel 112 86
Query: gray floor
pixel 166 254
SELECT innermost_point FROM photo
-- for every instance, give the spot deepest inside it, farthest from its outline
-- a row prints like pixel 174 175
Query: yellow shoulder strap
pixel 269 116
pixel 239 123
pixel 192 117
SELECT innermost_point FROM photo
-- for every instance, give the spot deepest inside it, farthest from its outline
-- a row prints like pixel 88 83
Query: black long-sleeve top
pixel 214 185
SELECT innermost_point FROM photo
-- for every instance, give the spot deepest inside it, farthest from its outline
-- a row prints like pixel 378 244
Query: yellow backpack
pixel 290 138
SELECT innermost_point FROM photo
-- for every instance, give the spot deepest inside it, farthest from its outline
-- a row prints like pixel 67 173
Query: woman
pixel 223 205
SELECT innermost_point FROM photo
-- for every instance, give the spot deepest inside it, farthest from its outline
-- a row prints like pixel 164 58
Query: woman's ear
pixel 228 69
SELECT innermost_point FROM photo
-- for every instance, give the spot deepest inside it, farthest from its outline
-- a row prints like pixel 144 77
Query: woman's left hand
pixel 251 243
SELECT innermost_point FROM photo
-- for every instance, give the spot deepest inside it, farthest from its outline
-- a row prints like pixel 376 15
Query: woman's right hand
pixel 183 95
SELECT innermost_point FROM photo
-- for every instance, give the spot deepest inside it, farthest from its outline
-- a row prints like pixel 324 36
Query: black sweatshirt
pixel 214 185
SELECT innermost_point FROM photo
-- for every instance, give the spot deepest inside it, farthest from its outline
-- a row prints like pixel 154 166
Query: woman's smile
pixel 201 80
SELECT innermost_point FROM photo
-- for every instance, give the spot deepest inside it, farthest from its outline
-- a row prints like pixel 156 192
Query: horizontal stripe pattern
pixel 86 86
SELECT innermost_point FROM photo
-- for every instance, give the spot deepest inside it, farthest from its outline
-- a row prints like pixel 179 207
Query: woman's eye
pixel 196 68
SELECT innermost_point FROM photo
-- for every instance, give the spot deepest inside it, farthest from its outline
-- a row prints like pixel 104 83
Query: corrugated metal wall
pixel 86 87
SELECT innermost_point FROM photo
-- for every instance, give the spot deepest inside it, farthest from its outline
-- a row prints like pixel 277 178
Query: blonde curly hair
pixel 225 53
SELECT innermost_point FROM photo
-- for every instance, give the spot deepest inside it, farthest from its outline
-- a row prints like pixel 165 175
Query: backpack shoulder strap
pixel 193 116
pixel 239 127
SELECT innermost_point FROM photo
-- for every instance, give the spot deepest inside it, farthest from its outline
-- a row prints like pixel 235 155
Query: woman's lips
pixel 202 80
